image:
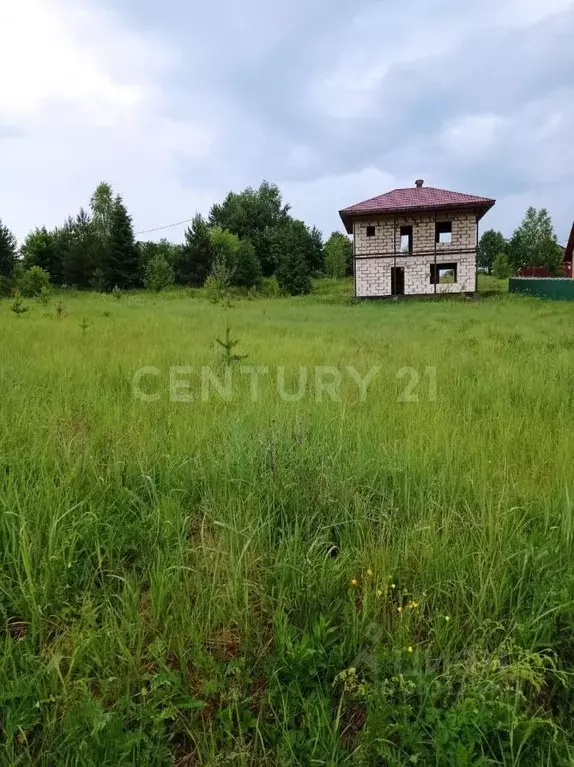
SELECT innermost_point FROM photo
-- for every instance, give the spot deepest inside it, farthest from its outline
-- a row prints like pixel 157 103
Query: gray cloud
pixel 177 103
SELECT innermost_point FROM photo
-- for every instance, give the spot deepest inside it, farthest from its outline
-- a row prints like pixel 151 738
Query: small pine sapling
pixel 59 310
pixel 116 293
pixel 44 296
pixel 18 306
pixel 84 325
pixel 228 346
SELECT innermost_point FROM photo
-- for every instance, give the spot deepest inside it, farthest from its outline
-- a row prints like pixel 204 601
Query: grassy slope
pixel 166 578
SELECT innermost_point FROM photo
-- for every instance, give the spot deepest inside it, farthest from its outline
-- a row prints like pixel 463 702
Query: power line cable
pixel 167 226
pixel 144 231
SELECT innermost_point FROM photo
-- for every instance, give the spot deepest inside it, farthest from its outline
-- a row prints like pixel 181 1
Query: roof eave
pixel 348 215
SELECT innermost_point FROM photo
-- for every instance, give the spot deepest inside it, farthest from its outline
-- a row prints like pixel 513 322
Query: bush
pixel 158 274
pixel 34 281
pixel 219 280
pixel 270 287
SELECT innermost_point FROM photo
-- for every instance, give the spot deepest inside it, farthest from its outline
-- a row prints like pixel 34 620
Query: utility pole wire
pixel 167 226
pixel 143 231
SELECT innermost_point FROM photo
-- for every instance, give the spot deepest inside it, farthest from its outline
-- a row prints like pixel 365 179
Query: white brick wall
pixel 373 272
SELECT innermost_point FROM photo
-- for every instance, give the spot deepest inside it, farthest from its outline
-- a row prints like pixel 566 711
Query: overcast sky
pixel 176 102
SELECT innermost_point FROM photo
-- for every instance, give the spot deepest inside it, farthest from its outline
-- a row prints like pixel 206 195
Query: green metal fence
pixel 559 289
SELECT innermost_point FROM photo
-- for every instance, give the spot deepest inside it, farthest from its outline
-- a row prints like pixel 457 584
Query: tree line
pixel 249 236
pixel 533 244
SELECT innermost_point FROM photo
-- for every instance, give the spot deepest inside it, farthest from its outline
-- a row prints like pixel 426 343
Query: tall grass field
pixel 346 539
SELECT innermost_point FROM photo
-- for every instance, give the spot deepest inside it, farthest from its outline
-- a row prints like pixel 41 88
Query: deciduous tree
pixel 253 214
pixel 45 249
pixel 534 243
pixel 158 274
pixel 338 255
pixel 491 244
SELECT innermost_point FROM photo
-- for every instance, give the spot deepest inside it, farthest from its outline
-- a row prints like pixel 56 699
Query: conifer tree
pixel 197 253
pixel 7 251
pixel 120 262
pixel 79 260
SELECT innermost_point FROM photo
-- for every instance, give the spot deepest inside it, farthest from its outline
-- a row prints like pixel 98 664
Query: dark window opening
pixel 370 231
pixel 406 239
pixel 443 231
pixel 397 281
pixel 443 274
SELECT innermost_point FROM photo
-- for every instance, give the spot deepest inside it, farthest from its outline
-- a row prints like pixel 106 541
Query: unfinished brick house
pixel 415 241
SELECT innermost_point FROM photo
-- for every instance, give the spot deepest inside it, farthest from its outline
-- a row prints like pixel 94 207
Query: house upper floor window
pixel 370 231
pixel 406 239
pixel 443 232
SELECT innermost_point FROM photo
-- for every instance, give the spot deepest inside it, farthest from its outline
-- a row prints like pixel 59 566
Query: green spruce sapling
pixel 18 307
pixel 228 346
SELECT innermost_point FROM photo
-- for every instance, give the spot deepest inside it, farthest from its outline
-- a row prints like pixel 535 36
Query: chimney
pixel 419 183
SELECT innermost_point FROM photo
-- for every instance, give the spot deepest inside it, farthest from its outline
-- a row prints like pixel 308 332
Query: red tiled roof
pixel 414 199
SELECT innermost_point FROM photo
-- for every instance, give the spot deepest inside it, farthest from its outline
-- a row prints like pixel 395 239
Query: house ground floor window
pixel 443 274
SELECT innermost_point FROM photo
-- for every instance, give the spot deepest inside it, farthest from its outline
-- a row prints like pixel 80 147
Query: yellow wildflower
pixel 410 649
pixel 379 593
pixel 370 573
pixel 354 582
pixel 400 609
pixel 393 585
pixel 447 618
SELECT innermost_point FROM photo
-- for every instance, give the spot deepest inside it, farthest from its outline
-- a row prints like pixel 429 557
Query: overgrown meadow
pixel 253 580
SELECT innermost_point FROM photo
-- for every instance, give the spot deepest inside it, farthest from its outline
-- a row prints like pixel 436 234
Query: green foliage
pixel 219 280
pixel 316 258
pixel 158 274
pixel 228 345
pixel 238 256
pixel 270 287
pixel 103 207
pixel 247 269
pixel 170 252
pixel 293 273
pixel 45 249
pixel 197 253
pixel 98 281
pixel 551 256
pixel 492 244
pixel 34 281
pixel 534 243
pixel 82 252
pixel 121 257
pixel 44 295
pixel 18 306
pixel 7 251
pixel 338 256
pixel 5 286
pixel 501 268
pixel 253 214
